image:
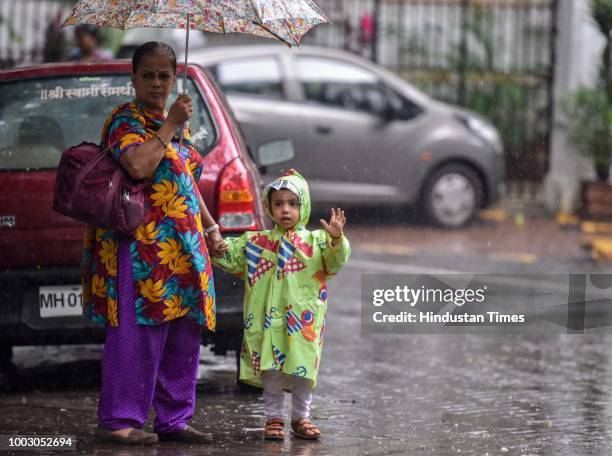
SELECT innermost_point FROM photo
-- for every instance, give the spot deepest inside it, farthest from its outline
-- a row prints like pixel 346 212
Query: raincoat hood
pixel 294 182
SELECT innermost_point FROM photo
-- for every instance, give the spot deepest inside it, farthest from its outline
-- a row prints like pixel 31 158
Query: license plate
pixel 60 301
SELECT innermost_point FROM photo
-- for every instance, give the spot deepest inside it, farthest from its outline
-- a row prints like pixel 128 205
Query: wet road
pixel 382 394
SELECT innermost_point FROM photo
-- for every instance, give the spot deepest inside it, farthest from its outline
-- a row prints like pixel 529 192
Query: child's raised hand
pixel 336 223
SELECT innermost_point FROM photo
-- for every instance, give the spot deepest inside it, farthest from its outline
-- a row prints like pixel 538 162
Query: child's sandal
pixel 305 429
pixel 275 429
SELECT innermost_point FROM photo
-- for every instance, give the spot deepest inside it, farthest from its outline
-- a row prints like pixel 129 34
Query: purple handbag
pixel 92 187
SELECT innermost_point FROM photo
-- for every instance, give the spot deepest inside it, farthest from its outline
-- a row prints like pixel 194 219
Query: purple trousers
pixel 144 366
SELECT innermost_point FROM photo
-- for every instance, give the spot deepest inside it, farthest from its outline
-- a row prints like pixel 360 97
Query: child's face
pixel 285 207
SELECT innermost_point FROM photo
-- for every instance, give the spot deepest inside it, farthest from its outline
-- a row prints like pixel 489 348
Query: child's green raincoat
pixel 285 275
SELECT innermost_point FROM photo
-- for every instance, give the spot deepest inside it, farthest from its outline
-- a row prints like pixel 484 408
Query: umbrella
pixel 284 20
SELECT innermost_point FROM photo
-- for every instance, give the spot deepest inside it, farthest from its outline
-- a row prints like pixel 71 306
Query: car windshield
pixel 39 118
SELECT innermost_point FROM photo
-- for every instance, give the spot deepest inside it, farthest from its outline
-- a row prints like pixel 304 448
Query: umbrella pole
pixel 186 53
pixel 186 124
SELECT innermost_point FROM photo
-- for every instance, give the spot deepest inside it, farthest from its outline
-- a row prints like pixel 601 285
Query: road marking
pixel 596 227
pixel 399 268
pixel 524 258
pixel 391 249
pixel 493 215
pixel 404 250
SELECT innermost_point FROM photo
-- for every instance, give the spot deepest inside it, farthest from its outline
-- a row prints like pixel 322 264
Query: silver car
pixel 362 136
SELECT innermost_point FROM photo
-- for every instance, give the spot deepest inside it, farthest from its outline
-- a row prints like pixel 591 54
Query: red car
pixel 44 110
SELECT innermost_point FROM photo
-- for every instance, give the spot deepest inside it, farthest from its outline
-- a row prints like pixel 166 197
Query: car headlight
pixel 486 132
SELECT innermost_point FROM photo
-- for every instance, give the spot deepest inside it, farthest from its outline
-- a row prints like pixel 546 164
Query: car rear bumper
pixel 21 323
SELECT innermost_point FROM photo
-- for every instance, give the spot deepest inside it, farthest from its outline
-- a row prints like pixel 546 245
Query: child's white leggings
pixel 274 396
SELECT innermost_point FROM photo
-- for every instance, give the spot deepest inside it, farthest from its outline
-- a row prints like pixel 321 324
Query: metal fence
pixel 493 56
pixel 28 31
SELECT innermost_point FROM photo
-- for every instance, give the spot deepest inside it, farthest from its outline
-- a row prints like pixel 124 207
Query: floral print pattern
pixel 170 262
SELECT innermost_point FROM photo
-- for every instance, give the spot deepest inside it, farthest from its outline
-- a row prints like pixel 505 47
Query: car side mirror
pixel 274 152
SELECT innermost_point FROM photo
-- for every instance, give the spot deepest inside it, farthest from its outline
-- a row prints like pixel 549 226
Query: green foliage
pixel 589 110
pixel 505 104
pixel 601 11
pixel 472 73
pixel 589 127
pixel 504 100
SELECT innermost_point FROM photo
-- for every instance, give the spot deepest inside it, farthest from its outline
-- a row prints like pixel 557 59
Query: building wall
pixel 24 27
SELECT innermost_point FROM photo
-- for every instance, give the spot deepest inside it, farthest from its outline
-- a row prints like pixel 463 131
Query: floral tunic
pixel 170 263
pixel 285 275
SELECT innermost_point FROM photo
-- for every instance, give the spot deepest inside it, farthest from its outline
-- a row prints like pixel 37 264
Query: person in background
pixel 88 45
pixel 56 44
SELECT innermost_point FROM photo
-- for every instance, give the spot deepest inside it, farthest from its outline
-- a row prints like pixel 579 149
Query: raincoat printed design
pixel 257 265
pixel 170 263
pixel 285 302
pixel 293 322
pixel 284 20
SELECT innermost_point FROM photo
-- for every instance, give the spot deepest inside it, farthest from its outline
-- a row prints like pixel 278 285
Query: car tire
pixel 452 196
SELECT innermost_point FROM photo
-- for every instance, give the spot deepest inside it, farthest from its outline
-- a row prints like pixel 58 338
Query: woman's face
pixel 153 81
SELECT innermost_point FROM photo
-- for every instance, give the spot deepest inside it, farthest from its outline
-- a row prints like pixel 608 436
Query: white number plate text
pixel 60 301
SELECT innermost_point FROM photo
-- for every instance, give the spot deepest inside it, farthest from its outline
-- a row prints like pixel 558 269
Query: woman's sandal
pixel 275 429
pixel 305 429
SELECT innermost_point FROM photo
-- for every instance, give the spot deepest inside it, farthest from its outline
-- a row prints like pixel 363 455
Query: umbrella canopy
pixel 284 20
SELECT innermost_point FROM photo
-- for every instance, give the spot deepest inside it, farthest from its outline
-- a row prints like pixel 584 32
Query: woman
pixel 154 289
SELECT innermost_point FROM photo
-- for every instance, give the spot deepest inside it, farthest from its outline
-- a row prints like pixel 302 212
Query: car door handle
pixel 323 129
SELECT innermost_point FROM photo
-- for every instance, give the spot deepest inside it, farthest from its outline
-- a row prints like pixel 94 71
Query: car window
pixel 255 76
pixel 336 83
pixel 39 118
pixel 347 86
pixel 403 108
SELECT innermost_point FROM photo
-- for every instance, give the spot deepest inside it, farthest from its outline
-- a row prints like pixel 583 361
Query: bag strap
pixel 91 165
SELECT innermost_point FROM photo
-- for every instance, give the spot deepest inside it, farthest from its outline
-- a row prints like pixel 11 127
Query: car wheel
pixel 452 196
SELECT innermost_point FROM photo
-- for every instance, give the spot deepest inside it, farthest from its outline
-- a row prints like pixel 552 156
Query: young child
pixel 285 271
